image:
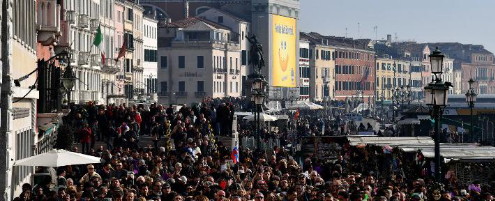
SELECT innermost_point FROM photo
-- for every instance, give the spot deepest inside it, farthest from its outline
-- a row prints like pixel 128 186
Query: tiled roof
pixel 317 38
pixel 193 20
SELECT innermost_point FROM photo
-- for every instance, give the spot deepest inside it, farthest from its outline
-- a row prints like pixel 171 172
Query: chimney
pixel 186 9
pixel 389 38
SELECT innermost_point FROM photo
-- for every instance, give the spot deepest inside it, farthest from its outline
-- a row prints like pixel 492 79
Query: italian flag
pixel 98 42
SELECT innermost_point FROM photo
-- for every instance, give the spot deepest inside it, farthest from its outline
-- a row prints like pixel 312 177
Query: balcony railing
pixel 83 21
pixel 94 24
pixel 110 66
pixel 164 93
pixel 181 93
pixel 83 58
pixel 200 94
pixel 71 16
pixel 220 70
pixel 48 22
pixel 95 59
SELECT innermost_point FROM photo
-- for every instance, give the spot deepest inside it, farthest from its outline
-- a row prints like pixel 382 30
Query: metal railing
pixel 181 93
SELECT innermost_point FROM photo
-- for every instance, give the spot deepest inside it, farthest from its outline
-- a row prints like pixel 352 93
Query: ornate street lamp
pixel 258 98
pixel 69 77
pixel 436 98
pixel 408 89
pixel 471 99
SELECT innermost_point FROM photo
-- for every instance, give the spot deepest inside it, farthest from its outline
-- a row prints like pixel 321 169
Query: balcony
pixel 94 24
pixel 326 79
pixel 164 93
pixel 48 18
pixel 137 68
pixel 71 17
pixel 85 96
pixel 220 70
pixel 200 94
pixel 95 59
pixel 181 94
pixel 83 21
pixel 128 77
pixel 83 58
pixel 110 66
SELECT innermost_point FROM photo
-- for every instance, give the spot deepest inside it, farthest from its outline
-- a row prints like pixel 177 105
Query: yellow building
pixel 322 72
pixel 391 74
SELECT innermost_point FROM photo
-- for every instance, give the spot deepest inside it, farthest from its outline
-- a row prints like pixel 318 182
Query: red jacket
pixel 86 134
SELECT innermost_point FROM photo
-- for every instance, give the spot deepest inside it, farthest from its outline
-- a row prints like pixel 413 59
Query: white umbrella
pixel 306 105
pixel 57 158
pixel 263 117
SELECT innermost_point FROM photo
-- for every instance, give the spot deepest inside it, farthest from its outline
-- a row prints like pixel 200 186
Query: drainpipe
pixel 6 104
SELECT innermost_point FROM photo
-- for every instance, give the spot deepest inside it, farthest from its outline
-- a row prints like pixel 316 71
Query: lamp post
pixel 68 78
pixel 408 89
pixel 436 98
pixel 382 98
pixel 471 99
pixel 258 98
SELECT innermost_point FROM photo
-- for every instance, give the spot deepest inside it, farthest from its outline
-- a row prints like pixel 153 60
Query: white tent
pixel 305 105
pixel 263 117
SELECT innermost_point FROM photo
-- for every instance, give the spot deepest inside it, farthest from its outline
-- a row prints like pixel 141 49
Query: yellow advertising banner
pixel 284 54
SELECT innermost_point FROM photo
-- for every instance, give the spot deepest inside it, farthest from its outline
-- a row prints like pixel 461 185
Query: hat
pixel 183 179
pixel 166 185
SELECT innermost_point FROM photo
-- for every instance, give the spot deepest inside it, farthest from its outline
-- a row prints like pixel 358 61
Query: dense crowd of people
pixel 187 162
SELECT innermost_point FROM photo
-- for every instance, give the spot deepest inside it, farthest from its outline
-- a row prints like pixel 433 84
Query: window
pixel 220 19
pixel 244 57
pixel 182 62
pixel 128 65
pixel 163 87
pixel 201 62
pixel 130 14
pixel 182 86
pixel 150 55
pixel 163 62
pixel 200 86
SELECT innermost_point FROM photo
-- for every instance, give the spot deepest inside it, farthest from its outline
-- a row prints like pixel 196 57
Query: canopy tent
pixel 454 151
pixel 361 107
pixel 263 117
pixel 391 141
pixel 409 121
pixel 305 105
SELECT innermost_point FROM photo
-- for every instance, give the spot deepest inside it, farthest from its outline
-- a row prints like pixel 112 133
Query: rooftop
pixel 317 38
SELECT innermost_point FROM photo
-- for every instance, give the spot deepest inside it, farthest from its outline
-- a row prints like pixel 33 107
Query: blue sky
pixel 464 21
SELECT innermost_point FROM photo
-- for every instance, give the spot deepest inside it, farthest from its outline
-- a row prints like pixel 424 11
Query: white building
pixel 304 69
pixel 240 29
pixel 457 82
pixel 150 72
pixel 201 60
pixel 448 73
pixel 79 28
pixel 18 111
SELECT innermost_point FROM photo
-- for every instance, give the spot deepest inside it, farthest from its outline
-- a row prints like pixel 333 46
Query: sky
pixel 464 21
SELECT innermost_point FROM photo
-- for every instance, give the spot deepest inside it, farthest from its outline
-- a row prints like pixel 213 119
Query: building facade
pixel 304 69
pixel 240 29
pixel 150 72
pixel 79 27
pixel 200 61
pixel 19 100
pixel 482 70
pixel 391 74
